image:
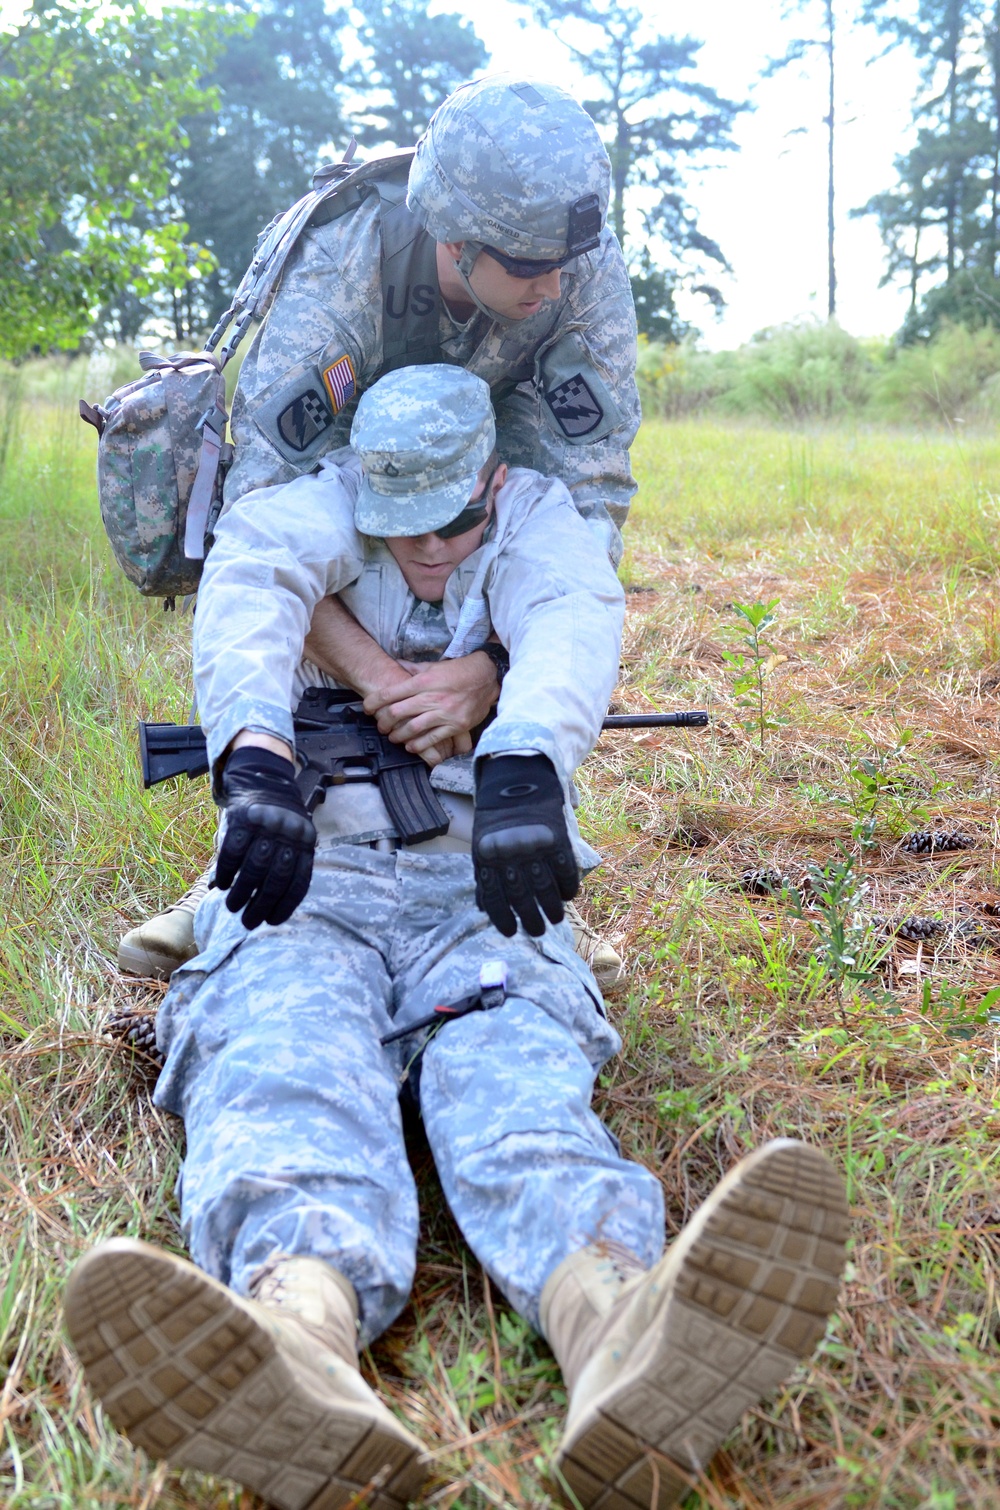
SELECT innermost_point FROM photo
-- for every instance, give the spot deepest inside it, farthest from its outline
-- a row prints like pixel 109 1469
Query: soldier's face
pixel 427 561
pixel 513 298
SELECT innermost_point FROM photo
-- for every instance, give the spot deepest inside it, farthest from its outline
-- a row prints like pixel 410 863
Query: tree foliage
pixel 658 119
pixel 411 62
pixel 90 101
pixel 286 96
pixel 940 223
pixel 276 89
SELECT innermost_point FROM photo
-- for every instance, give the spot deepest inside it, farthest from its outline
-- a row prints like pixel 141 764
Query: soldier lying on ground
pixel 285 1044
pixel 491 252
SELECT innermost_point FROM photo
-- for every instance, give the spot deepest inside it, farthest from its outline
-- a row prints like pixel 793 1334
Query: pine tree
pixel 824 41
pixel 411 62
pixel 942 221
pixel 658 119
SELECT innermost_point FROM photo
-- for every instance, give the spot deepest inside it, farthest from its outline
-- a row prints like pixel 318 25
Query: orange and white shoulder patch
pixel 340 382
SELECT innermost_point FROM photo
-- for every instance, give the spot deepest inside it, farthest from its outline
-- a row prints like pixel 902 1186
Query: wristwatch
pixel 499 655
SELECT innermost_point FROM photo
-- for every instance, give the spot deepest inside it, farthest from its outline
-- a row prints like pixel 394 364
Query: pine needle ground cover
pixel 797 966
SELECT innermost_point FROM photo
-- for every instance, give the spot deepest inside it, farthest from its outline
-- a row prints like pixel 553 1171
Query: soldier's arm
pixel 587 405
pixel 430 708
pixel 277 553
pixel 557 605
pixel 314 352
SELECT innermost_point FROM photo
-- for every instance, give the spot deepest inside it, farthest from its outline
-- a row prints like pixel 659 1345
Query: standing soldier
pixel 486 248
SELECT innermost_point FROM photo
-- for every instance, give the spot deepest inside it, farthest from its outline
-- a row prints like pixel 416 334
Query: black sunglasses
pixel 522 267
pixel 583 234
pixel 470 516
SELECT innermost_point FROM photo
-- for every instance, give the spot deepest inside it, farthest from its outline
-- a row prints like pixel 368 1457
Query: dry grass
pixel 732 1030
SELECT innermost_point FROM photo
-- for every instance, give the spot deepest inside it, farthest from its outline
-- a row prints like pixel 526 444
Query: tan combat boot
pixel 162 944
pixel 607 966
pixel 661 1364
pixel 263 1391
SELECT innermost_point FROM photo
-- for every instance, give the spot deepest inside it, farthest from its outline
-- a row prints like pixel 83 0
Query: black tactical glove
pixel 520 845
pixel 266 857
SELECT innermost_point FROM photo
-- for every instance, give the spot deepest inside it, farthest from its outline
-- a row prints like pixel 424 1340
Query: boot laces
pixel 192 898
pixel 625 1265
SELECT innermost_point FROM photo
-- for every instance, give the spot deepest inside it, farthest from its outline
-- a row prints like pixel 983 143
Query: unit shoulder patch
pixel 574 407
pixel 297 414
pixel 577 401
pixel 303 420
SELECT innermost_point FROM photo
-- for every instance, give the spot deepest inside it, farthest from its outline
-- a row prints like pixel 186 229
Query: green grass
pixel 882 551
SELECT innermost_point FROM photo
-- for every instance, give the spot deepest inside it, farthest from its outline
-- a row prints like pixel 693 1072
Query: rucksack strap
pixel 339 189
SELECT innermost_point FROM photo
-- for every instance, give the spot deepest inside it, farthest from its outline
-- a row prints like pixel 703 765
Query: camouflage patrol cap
pixel 421 434
pixel 504 162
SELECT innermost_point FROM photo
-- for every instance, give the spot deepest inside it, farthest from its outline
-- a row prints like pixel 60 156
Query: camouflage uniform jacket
pixel 538 580
pixel 563 380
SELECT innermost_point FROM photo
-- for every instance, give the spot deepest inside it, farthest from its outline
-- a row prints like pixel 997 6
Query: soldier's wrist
pixel 498 657
pixel 254 739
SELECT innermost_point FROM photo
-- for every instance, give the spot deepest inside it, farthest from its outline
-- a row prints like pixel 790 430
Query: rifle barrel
pixel 695 719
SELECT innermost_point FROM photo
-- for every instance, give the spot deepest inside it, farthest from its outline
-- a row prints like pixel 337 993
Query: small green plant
pixel 835 894
pixel 953 1012
pixel 754 664
pixel 881 787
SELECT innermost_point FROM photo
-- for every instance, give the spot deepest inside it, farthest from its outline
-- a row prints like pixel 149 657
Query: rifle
pixel 337 742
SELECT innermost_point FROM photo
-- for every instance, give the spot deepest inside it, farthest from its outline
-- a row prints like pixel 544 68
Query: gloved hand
pixel 521 848
pixel 266 858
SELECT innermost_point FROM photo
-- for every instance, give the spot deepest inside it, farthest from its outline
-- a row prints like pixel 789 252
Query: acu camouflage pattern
pixel 147 460
pixel 290 1103
pixel 421 435
pixel 502 161
pixel 329 304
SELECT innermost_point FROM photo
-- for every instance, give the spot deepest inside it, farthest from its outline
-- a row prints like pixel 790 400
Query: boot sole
pixel 190 1375
pixel 747 1290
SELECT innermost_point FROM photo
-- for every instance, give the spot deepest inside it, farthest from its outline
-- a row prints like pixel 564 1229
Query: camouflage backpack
pixel 161 460
pixel 162 455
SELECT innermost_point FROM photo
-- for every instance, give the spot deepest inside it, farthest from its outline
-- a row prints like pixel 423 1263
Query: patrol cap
pixel 515 164
pixel 422 434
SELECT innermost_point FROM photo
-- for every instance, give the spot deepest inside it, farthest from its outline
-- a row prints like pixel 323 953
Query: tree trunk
pixel 831 265
pixel 993 50
pixel 619 174
pixel 951 167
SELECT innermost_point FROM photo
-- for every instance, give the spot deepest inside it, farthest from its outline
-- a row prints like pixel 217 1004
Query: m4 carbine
pixel 337 742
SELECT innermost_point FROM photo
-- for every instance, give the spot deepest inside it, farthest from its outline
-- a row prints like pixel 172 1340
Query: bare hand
pixel 442 701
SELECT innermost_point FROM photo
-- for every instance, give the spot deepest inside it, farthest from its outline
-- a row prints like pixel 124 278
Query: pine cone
pixel 971 932
pixel 137 1031
pixel 765 882
pixel 919 929
pixel 926 841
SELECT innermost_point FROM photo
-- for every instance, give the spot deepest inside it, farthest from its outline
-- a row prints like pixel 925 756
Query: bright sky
pixel 766 204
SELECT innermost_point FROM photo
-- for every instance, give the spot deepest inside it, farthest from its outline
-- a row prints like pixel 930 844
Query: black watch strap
pixel 499 655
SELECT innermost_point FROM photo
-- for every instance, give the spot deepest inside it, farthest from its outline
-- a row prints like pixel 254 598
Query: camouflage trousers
pixel 290 1103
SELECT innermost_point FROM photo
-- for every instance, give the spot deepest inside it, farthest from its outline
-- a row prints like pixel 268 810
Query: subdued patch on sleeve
pixel 576 400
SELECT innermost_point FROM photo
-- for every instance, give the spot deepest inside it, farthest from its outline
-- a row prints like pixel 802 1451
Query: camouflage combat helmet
pixel 422 434
pixel 512 164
